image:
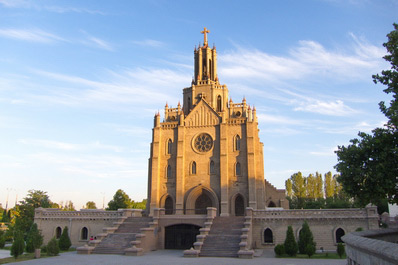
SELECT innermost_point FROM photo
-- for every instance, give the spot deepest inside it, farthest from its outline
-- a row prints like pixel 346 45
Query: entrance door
pixel 201 204
pixel 180 236
pixel 239 206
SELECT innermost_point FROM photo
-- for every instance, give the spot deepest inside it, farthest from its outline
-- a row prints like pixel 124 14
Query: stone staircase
pixel 224 237
pixel 125 236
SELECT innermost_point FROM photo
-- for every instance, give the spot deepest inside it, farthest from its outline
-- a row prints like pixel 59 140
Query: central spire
pixel 204 32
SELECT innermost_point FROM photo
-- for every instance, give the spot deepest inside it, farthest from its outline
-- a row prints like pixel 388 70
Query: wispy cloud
pixel 32 35
pixel 37 6
pixel 332 108
pixel 149 43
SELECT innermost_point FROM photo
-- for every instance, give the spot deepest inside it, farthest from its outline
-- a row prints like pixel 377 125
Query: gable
pixel 202 115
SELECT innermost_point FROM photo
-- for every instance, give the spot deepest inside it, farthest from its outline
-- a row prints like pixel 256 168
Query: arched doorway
pixel 268 236
pixel 180 236
pixel 84 234
pixel 271 204
pixel 58 232
pixel 168 205
pixel 339 234
pixel 239 205
pixel 201 204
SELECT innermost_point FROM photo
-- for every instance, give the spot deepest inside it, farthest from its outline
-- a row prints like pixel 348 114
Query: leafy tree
pixel 91 205
pixel 18 245
pixel 290 242
pixel 139 205
pixel 329 185
pixel 289 188
pixel 52 247
pixel 306 244
pixel 340 249
pixel 120 201
pixel 318 186
pixel 311 187
pixel 64 240
pixel 6 216
pixel 69 206
pixel 369 165
pixel 34 239
pixel 2 239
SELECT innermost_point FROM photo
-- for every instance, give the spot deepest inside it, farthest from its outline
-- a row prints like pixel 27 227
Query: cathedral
pixel 206 189
pixel 207 152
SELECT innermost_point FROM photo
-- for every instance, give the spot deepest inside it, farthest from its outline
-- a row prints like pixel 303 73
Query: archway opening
pixel 84 235
pixel 58 232
pixel 271 204
pixel 201 204
pixel 268 236
pixel 180 236
pixel 168 205
pixel 239 206
pixel 339 234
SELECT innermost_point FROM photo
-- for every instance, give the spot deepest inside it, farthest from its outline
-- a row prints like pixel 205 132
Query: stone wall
pixel 323 224
pixel 48 220
pixel 377 247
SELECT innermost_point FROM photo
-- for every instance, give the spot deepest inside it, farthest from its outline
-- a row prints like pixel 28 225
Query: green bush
pixel 64 240
pixel 359 229
pixel 44 248
pixel 306 244
pixel 52 247
pixel 340 249
pixel 279 250
pixel 2 241
pixel 18 245
pixel 290 244
pixel 34 239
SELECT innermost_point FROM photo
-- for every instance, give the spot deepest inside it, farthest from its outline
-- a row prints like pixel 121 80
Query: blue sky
pixel 80 82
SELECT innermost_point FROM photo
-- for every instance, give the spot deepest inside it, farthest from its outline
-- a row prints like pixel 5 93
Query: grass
pixel 28 256
pixel 315 256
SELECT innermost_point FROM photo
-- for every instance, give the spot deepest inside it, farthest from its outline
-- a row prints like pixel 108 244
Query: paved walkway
pixel 173 257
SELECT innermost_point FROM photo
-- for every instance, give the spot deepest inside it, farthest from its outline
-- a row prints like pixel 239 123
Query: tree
pixel 52 247
pixel 279 250
pixel 64 240
pixel 369 165
pixel 120 200
pixel 306 244
pixel 34 239
pixel 18 245
pixel 319 185
pixel 91 205
pixel 290 242
pixel 340 249
pixel 289 190
pixel 329 187
pixel 69 206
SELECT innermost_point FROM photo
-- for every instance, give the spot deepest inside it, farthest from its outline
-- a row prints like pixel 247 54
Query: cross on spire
pixel 205 31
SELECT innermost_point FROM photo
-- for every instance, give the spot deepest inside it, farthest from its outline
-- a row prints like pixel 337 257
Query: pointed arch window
pixel 212 167
pixel 84 233
pixel 193 168
pixel 339 234
pixel 237 143
pixel 268 236
pixel 58 232
pixel 219 103
pixel 237 169
pixel 169 145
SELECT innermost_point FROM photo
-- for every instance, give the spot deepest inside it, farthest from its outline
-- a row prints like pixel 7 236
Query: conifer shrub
pixel 18 245
pixel 279 250
pixel 290 244
pixel 34 239
pixel 52 247
pixel 306 244
pixel 2 240
pixel 64 240
pixel 340 249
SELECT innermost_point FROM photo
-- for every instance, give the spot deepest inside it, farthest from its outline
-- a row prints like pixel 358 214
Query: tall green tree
pixel 306 240
pixel 290 242
pixel 64 240
pixel 318 185
pixel 18 245
pixel 91 205
pixel 120 200
pixel 34 239
pixel 369 165
pixel 289 190
pixel 329 185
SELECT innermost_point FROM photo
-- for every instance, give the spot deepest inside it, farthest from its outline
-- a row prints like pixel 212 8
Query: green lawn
pixel 315 256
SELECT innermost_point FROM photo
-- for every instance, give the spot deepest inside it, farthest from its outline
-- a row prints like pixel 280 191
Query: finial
pixel 244 99
pixel 179 105
pixel 167 105
pixel 254 108
pixel 205 31
pixel 250 107
pixel 230 100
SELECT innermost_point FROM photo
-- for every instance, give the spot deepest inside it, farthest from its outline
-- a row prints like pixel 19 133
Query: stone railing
pixel 372 247
pixel 368 212
pixel 195 251
pixel 246 251
pixel 51 213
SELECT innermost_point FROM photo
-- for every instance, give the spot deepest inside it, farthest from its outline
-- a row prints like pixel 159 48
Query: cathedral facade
pixel 207 152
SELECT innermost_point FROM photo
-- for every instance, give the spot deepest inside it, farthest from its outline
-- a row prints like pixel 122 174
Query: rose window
pixel 203 142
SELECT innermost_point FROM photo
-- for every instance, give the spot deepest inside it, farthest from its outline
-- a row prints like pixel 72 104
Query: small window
pixel 168 205
pixel 339 234
pixel 212 169
pixel 193 168
pixel 58 232
pixel 169 145
pixel 237 169
pixel 219 104
pixel 271 204
pixel 237 143
pixel 268 236
pixel 84 233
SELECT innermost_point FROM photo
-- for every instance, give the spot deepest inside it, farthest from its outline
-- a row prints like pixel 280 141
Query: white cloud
pixel 324 152
pixel 150 43
pixel 97 43
pixel 36 6
pixel 332 108
pixel 64 146
pixel 32 35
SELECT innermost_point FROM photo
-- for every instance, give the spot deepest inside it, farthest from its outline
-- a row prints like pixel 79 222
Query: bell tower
pixel 205 84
